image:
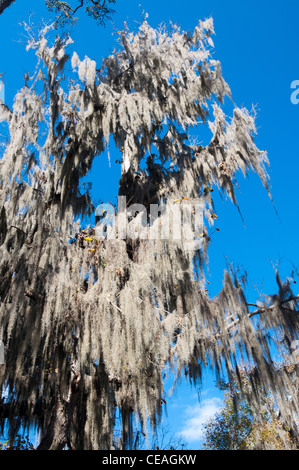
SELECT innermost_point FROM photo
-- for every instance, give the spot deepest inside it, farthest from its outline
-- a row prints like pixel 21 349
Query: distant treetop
pixel 65 11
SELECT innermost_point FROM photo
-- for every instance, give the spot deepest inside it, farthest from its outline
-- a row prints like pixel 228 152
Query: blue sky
pixel 257 44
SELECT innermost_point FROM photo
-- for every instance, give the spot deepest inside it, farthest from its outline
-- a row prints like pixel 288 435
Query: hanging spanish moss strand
pixel 91 328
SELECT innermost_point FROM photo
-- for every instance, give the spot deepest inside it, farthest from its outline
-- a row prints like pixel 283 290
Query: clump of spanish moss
pixel 92 327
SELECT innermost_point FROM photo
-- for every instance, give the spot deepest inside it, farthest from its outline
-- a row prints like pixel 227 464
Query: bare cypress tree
pixel 92 327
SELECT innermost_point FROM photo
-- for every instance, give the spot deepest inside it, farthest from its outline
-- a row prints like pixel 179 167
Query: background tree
pixel 92 327
pixel 65 11
pixel 236 427
pixel 21 443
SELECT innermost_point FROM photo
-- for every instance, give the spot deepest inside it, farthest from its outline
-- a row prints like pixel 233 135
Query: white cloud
pixel 197 415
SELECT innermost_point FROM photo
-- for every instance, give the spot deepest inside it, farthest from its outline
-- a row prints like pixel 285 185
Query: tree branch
pixel 258 311
pixel 79 6
pixel 5 4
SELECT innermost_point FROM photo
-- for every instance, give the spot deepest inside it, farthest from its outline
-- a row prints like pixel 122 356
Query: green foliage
pixel 65 13
pixel 20 443
pixel 235 427
pixel 229 430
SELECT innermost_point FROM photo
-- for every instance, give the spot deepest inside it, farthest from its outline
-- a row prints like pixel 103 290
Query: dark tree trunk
pixel 58 433
pixel 54 437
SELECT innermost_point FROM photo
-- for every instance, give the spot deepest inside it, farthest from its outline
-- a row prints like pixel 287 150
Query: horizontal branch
pixel 258 311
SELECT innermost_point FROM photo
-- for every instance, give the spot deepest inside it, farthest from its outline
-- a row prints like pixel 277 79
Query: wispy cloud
pixel 197 415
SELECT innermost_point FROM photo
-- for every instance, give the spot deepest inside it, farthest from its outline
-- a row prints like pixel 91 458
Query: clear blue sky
pixel 257 44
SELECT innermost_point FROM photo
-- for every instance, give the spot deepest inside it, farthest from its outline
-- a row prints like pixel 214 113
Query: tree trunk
pixel 55 437
pixel 59 431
